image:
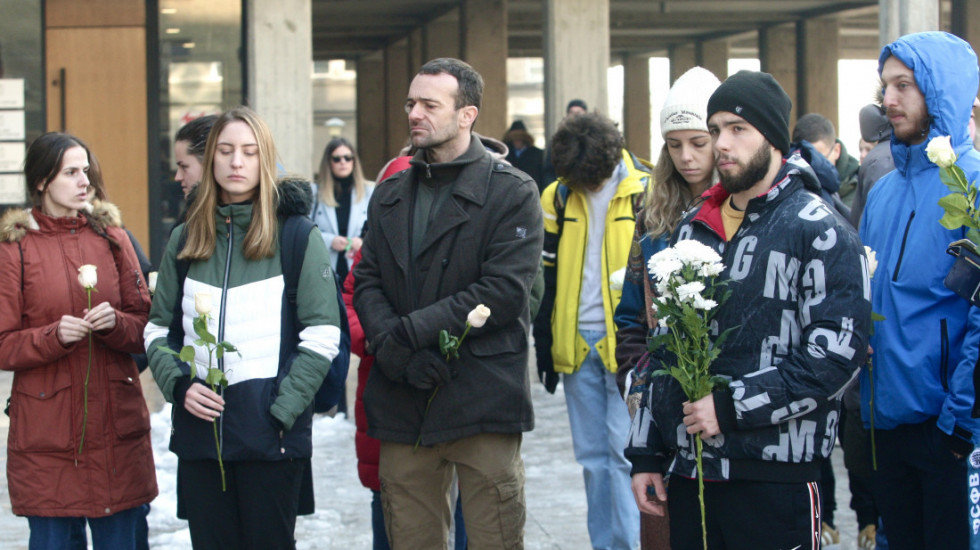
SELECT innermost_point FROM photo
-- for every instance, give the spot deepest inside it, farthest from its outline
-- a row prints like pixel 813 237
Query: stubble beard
pixel 756 169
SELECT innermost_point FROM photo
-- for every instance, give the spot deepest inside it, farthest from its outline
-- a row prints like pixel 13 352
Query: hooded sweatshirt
pixel 926 347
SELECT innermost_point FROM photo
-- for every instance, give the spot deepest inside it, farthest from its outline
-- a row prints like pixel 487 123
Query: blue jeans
pixel 600 426
pixel 115 532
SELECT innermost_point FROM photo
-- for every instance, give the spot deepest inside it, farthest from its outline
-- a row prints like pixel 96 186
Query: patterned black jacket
pixel 801 306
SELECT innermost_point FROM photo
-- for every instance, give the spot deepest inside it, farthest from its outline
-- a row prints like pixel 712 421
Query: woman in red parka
pixel 67 384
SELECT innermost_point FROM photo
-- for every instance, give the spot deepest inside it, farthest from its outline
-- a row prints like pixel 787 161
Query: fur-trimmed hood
pixel 16 222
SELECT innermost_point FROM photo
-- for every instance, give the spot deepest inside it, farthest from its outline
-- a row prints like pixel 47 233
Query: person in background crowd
pixel 523 155
pixel 189 152
pixel 456 230
pixel 820 132
pixel 685 170
pixel 590 214
pixel 864 147
pixel 78 449
pixel 798 318
pixel 341 206
pixel 230 251
pixel 575 107
pixel 925 348
pixel 875 129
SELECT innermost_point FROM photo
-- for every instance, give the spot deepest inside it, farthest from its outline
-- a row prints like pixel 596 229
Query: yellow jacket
pixel 567 252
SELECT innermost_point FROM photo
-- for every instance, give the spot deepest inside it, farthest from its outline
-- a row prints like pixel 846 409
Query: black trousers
pixel 744 515
pixel 258 511
pixel 920 489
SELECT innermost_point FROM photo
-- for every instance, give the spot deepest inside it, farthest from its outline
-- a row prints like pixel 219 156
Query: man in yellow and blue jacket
pixel 589 217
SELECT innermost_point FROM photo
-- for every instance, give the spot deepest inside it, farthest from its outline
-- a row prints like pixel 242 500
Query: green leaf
pixel 199 342
pixel 187 354
pixel 227 346
pixel 216 377
pixel 201 329
pixel 952 220
pixel 877 316
pixel 444 342
pixel 219 352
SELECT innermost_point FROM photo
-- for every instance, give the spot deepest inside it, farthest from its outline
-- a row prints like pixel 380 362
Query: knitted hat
pixel 576 103
pixel 760 100
pixel 687 100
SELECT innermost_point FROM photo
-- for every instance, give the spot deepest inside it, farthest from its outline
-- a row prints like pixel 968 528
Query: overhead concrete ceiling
pixel 352 28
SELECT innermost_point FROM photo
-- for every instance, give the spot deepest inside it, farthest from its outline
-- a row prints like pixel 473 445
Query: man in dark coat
pixel 456 230
pixel 523 154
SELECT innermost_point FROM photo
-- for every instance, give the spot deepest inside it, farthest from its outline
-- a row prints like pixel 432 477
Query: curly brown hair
pixel 585 150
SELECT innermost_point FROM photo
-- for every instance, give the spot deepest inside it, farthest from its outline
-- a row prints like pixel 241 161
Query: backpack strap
pixel 293 239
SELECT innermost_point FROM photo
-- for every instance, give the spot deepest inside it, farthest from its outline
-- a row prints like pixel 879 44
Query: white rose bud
pixel 872 261
pixel 151 282
pixel 478 317
pixel 87 276
pixel 940 152
pixel 617 278
pixel 202 303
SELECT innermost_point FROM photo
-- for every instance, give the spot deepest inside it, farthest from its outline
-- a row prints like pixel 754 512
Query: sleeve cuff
pixel 180 389
pixel 646 464
pixel 725 410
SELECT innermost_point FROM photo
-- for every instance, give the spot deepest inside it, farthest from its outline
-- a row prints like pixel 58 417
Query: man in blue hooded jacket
pixel 926 348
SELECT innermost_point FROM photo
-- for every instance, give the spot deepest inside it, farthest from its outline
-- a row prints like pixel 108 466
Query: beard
pixel 750 174
pixel 915 132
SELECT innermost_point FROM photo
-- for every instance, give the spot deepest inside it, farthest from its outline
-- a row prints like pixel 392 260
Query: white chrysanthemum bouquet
pixel 689 294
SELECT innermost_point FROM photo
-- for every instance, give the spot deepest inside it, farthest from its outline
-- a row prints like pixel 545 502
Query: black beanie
pixel 760 100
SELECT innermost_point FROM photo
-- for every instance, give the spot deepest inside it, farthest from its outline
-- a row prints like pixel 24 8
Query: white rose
pixel 478 317
pixel 87 276
pixel 202 303
pixel 872 261
pixel 617 278
pixel 940 151
pixel 151 282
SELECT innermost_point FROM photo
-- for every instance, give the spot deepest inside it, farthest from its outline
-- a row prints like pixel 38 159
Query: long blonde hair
pixel 325 180
pixel 260 239
pixel 667 198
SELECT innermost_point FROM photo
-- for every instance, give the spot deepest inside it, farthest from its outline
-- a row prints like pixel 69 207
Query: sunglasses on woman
pixel 344 158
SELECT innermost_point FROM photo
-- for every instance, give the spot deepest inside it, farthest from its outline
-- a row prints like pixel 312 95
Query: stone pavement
pixel 555 492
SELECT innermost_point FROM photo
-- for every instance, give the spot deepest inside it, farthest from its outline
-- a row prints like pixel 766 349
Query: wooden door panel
pixel 105 105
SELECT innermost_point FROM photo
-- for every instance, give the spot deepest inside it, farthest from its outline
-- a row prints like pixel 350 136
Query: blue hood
pixel 946 72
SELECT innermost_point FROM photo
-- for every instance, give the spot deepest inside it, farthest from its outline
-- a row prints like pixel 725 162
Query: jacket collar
pixel 16 222
pixel 794 175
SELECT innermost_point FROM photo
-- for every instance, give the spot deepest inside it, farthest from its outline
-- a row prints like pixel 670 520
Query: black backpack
pixel 292 249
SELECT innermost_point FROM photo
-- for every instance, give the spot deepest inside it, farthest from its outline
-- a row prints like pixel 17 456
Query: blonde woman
pixel 686 169
pixel 341 203
pixel 231 250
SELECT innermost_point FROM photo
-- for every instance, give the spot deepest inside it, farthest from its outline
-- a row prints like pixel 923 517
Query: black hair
pixel 814 127
pixel 195 133
pixel 470 82
pixel 585 150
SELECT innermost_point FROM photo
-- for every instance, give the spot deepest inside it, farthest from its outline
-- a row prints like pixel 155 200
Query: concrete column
pixel 484 46
pixel 818 44
pixel 683 58
pixel 777 56
pixel 441 37
pixel 900 17
pixel 713 55
pixel 372 136
pixel 965 21
pixel 636 104
pixel 576 59
pixel 280 60
pixel 416 49
pixel 397 75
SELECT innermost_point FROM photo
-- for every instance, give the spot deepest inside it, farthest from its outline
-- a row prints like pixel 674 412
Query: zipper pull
pixel 228 223
pixel 428 171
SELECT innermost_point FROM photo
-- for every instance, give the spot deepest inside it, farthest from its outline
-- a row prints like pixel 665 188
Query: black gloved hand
pixel 393 352
pixel 428 369
pixel 546 368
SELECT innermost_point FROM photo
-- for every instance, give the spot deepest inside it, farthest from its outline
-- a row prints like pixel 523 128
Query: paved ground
pixel 555 493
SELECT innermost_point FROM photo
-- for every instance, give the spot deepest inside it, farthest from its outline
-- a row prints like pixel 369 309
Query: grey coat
pixel 482 247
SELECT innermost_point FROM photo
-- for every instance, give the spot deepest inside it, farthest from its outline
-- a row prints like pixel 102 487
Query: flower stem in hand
pixel 88 373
